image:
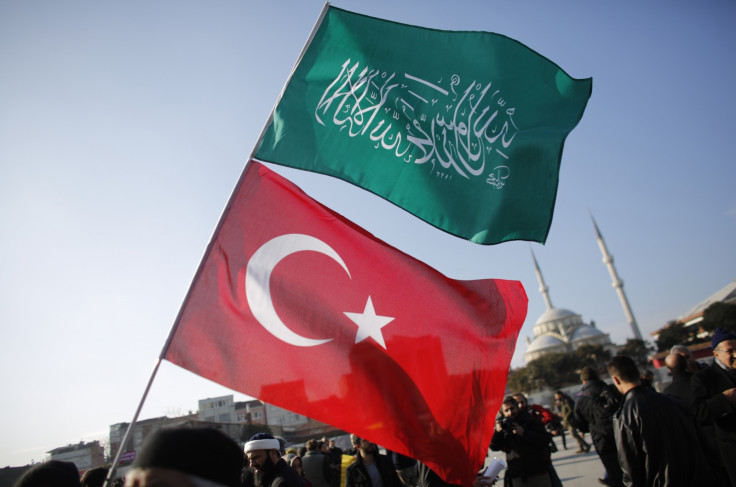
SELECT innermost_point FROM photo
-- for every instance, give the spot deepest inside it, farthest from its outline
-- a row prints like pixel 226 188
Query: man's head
pixel 180 456
pixel 520 400
pixel 94 477
pixel 354 440
pixel 724 347
pixel 364 446
pixel 297 464
pixel 50 473
pixel 588 374
pixel 681 350
pixel 676 363
pixel 624 373
pixel 263 452
pixel 312 445
pixel 510 408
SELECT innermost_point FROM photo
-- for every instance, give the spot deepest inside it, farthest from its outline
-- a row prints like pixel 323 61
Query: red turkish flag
pixel 301 308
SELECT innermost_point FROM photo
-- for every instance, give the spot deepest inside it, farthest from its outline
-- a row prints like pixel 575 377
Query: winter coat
pixel 526 455
pixel 594 412
pixel 658 442
pixel 357 476
pixel 282 476
pixel 714 413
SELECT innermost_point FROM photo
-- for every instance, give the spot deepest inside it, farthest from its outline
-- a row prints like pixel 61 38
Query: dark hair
pixel 312 445
pixel 51 472
pixel 203 452
pixel 510 400
pixel 625 368
pixel 678 362
pixel 588 373
pixel 94 477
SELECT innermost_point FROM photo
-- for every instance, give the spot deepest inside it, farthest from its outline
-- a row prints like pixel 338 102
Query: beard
pixel 371 449
pixel 263 473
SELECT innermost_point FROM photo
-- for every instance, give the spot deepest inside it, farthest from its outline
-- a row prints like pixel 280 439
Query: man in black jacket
pixel 657 439
pixel 593 413
pixel 714 398
pixel 370 468
pixel 680 386
pixel 524 440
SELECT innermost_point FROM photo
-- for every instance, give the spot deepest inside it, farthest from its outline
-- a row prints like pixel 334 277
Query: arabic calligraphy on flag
pixel 462 129
pixel 472 136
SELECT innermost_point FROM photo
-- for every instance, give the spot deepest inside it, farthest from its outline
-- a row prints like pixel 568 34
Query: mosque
pixel 560 330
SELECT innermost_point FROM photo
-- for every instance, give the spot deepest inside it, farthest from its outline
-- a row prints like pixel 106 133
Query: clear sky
pixel 124 127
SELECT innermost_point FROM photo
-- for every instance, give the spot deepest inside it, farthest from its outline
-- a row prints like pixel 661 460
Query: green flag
pixel 462 129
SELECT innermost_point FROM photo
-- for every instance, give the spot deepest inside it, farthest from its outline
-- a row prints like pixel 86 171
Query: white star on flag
pixel 369 324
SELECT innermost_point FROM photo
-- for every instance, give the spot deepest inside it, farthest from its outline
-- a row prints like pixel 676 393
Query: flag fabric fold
pixel 299 307
pixel 464 130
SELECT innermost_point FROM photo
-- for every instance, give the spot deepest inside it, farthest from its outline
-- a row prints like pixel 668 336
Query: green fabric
pixel 462 129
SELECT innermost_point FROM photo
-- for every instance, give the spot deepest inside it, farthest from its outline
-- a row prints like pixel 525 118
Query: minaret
pixel 617 283
pixel 542 286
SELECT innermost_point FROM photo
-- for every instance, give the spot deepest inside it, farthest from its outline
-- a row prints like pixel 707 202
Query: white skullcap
pixel 263 444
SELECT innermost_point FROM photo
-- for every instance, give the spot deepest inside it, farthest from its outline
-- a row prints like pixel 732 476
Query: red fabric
pixel 542 414
pixel 431 394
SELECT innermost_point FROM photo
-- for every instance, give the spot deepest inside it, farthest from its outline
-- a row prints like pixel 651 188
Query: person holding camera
pixel 524 440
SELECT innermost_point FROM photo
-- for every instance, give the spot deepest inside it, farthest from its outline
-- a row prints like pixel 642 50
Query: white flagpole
pixel 116 461
pixel 111 473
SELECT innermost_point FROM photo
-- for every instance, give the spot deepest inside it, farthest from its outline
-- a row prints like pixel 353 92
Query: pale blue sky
pixel 125 125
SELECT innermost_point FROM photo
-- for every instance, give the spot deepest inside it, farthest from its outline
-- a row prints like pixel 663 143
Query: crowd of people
pixel 683 436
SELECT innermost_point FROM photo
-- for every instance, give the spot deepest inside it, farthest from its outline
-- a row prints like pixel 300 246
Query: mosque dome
pixel 557 320
pixel 554 314
pixel 545 342
pixel 586 332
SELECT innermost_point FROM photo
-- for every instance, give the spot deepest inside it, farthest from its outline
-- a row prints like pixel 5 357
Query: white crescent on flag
pixel 258 291
pixel 258 282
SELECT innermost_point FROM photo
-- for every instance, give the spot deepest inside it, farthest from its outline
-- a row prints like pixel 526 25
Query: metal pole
pixel 116 461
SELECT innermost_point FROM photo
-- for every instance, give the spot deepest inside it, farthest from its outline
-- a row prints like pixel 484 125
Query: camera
pixel 506 424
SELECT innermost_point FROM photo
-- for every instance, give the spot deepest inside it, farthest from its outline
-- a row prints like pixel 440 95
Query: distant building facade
pixel 83 455
pixel 250 412
pixel 691 320
pixel 694 316
pixel 282 421
pixel 143 428
pixel 217 409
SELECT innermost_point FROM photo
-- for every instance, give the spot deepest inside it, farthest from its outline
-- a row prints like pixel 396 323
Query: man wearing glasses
pixel 714 397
